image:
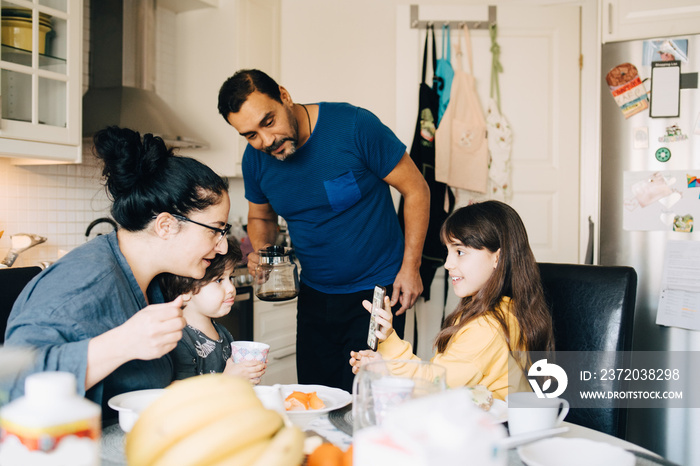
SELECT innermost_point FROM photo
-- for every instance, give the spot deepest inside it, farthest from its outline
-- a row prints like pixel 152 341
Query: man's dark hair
pixel 236 89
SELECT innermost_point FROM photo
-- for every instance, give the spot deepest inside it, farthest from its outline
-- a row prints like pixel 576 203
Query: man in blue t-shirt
pixel 326 168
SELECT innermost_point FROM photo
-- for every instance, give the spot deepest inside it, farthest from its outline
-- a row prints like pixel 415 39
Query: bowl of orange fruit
pixel 304 403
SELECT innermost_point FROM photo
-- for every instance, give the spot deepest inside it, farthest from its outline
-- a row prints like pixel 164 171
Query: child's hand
pixel 384 319
pixel 360 358
pixel 251 370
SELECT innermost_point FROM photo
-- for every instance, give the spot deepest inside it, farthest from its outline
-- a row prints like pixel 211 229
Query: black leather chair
pixel 12 282
pixel 592 310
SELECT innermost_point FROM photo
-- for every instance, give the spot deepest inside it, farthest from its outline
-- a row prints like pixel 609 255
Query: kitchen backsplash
pixel 59 202
pixel 55 201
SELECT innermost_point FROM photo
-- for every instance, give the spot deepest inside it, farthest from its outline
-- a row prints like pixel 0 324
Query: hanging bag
pixel 461 147
pixel 423 155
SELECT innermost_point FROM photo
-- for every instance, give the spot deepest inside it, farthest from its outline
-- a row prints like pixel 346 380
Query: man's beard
pixel 293 139
pixel 284 155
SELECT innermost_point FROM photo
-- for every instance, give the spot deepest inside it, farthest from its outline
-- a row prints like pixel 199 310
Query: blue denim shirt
pixel 87 292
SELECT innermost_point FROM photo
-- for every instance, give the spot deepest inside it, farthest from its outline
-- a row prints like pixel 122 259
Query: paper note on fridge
pixel 679 302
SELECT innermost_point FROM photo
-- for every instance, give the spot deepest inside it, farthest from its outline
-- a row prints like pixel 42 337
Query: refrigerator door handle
pixel 589 249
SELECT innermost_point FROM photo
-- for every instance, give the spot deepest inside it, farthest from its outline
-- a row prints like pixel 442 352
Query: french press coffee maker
pixel 276 278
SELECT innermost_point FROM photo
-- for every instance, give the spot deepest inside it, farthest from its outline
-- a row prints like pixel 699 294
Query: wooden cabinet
pixel 40 79
pixel 642 19
pixel 212 44
pixel 275 323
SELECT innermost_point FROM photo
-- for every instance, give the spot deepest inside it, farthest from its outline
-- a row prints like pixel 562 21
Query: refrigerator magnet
pixel 673 134
pixel 684 223
pixel 641 137
pixel 627 89
pixel 665 89
pixel 662 154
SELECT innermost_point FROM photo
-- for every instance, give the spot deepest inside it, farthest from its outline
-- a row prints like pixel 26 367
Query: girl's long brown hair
pixel 494 225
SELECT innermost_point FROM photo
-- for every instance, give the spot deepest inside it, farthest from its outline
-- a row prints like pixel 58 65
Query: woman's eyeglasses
pixel 222 231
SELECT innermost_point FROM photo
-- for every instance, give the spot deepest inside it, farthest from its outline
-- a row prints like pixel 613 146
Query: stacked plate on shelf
pixel 17 28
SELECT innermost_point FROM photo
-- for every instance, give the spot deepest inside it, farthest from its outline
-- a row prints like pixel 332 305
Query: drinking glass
pixel 380 386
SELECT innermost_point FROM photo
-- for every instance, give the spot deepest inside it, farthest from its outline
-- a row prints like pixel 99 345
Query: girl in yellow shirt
pixel 502 307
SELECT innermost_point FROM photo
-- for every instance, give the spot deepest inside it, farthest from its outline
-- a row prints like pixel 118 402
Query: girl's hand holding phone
pixel 384 318
pixel 251 370
pixel 359 358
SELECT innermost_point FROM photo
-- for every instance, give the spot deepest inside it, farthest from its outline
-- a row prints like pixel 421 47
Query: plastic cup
pixel 249 351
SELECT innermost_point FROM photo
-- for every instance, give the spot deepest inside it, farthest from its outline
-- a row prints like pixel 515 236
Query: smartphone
pixel 377 303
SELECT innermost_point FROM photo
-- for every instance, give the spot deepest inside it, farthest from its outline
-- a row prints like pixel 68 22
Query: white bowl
pixel 130 404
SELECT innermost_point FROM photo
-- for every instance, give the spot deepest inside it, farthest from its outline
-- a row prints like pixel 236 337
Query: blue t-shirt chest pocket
pixel 342 192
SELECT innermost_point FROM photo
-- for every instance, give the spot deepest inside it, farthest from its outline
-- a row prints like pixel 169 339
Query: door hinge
pixel 580 61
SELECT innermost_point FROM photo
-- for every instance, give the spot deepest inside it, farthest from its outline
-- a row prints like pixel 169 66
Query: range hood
pixel 122 75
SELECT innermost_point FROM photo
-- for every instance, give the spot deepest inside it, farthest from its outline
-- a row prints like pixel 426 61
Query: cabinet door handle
pixel 610 18
pixel 284 356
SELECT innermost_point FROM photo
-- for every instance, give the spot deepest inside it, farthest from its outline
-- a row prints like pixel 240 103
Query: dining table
pixel 336 427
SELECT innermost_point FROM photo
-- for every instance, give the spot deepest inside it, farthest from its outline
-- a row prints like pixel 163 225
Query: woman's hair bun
pixel 129 160
pixel 144 178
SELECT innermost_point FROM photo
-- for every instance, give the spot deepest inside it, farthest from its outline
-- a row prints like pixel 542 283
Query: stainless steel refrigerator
pixel 643 143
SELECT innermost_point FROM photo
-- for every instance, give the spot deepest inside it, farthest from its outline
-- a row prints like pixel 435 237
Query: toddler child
pixel 205 346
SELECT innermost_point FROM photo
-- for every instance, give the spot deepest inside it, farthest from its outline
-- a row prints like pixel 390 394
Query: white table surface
pixel 113 440
pixel 576 431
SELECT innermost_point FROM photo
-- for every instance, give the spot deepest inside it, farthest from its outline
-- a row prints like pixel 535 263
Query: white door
pixel 540 49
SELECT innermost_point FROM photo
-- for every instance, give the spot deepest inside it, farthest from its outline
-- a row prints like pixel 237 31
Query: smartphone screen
pixel 377 303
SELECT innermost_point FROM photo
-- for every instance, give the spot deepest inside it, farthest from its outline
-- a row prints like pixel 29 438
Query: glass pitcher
pixel 276 278
pixel 380 386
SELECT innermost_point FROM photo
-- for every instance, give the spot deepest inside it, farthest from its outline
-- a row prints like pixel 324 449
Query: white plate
pixel 130 404
pixel 333 398
pixel 573 452
pixel 499 411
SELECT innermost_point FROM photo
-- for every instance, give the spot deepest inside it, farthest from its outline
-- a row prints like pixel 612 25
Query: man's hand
pixel 408 286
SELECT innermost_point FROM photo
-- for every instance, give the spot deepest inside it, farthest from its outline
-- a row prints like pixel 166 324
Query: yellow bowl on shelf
pixel 17 33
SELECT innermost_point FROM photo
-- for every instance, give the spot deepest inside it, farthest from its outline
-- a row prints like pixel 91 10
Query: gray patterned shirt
pixel 197 354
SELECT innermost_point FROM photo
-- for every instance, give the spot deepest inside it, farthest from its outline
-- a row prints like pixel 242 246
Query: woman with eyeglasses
pixel 98 312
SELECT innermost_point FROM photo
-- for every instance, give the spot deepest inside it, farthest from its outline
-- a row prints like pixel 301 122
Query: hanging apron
pixel 442 81
pixel 423 155
pixel 499 140
pixel 500 135
pixel 461 147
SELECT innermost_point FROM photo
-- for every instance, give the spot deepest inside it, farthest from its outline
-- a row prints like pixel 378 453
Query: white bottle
pixel 50 425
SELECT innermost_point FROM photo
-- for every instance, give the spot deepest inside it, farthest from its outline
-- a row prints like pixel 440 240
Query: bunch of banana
pixel 215 420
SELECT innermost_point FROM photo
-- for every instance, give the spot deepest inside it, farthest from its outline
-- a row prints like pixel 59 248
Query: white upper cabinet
pixel 642 19
pixel 40 77
pixel 212 44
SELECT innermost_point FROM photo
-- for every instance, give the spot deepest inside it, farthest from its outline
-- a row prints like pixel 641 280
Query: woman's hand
pixel 360 358
pixel 384 318
pixel 149 334
pixel 155 330
pixel 251 370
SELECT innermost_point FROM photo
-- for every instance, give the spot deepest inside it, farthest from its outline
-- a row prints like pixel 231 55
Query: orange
pixel 347 457
pixel 315 402
pixel 296 401
pixel 326 454
pixel 300 401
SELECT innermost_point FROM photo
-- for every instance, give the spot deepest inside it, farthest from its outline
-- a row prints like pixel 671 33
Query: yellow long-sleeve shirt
pixel 477 354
